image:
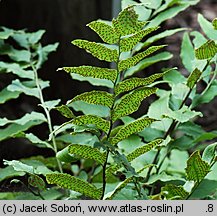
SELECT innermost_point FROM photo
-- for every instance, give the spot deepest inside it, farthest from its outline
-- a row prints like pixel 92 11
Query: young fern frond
pixel 124 33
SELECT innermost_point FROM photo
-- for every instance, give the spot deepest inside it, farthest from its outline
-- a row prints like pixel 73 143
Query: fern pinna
pixel 124 98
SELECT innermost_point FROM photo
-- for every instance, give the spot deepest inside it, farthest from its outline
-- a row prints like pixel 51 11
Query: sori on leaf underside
pixel 119 38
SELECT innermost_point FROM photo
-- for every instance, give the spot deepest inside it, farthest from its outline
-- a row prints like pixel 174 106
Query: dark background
pixel 64 21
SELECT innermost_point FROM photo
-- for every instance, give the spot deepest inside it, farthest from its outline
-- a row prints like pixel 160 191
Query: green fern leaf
pixel 65 111
pixel 172 192
pixel 95 72
pixel 95 97
pixel 207 50
pixel 133 155
pixel 132 83
pixel 105 31
pixel 214 23
pixel 100 123
pixel 197 168
pixel 131 128
pixel 70 182
pixel 130 103
pixel 97 50
pixel 127 22
pixel 143 149
pixel 128 43
pixel 119 187
pixel 130 62
pixel 193 78
pixel 87 152
pixel 65 157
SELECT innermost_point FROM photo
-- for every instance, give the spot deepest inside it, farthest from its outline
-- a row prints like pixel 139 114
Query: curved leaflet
pixel 143 149
pixel 95 72
pixel 207 50
pixel 131 128
pixel 87 152
pixel 65 111
pixel 105 31
pixel 100 123
pixel 132 83
pixel 193 78
pixel 97 50
pixel 130 103
pixel 75 184
pixel 172 192
pixel 95 97
pixel 128 43
pixel 127 22
pixel 133 155
pixel 130 62
pixel 197 168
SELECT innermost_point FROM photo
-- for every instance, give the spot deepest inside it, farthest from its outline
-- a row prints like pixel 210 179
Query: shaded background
pixel 65 20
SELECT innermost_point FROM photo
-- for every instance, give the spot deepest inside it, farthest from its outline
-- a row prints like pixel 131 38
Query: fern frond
pixel 119 187
pixel 132 83
pixel 100 123
pixel 143 149
pixel 130 103
pixel 95 97
pixel 128 43
pixel 65 111
pixel 95 72
pixel 135 154
pixel 70 182
pixel 127 22
pixel 131 128
pixel 97 50
pixel 197 168
pixel 193 78
pixel 207 50
pixel 87 152
pixel 130 62
pixel 172 192
pixel 214 23
pixel 105 31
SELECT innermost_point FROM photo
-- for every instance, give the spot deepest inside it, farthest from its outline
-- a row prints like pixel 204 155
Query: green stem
pixel 110 129
pixel 47 113
pixel 104 175
pixel 111 126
